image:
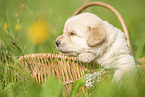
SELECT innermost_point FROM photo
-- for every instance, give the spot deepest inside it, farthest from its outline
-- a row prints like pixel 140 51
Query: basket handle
pixel 114 11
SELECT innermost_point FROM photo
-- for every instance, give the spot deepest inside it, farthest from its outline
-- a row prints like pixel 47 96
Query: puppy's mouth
pixel 68 53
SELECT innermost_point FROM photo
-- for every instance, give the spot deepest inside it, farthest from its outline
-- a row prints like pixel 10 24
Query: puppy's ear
pixel 96 36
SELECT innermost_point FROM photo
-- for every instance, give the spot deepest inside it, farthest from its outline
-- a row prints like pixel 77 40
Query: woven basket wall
pixel 66 69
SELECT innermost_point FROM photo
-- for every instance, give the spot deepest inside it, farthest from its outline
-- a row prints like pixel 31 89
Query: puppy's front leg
pixel 86 57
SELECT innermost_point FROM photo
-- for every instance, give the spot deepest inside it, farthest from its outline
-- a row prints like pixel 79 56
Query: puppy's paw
pixel 86 57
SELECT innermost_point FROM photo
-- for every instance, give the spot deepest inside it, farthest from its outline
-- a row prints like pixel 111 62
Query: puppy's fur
pixel 92 39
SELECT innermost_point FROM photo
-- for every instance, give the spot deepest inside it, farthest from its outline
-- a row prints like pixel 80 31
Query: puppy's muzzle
pixel 57 43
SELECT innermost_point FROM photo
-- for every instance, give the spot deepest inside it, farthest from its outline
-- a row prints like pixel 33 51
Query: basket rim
pixel 48 55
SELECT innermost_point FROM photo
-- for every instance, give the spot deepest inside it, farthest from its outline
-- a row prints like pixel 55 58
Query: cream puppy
pixel 92 39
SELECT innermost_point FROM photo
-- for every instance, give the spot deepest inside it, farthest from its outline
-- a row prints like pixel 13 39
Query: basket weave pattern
pixel 66 69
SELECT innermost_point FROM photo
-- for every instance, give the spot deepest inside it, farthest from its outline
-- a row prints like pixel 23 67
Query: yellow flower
pixel 18 27
pixel 39 31
pixel 5 26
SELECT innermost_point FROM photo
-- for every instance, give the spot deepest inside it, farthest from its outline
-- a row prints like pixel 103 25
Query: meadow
pixel 32 26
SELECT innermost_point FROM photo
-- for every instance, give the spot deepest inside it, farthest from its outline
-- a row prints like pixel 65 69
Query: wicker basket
pixel 66 69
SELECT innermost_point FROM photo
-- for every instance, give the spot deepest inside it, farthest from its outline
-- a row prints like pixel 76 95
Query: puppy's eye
pixel 72 33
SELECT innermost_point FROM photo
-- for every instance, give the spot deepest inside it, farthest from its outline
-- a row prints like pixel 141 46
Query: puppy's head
pixel 81 33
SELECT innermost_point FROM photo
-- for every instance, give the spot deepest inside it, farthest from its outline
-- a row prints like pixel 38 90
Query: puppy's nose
pixel 57 43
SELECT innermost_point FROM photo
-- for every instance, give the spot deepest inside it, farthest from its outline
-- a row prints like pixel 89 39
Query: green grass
pixel 16 82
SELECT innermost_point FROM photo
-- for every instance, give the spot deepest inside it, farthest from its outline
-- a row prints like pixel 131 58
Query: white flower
pixel 93 78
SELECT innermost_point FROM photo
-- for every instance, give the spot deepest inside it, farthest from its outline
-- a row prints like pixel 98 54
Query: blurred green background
pixel 33 26
pixel 25 14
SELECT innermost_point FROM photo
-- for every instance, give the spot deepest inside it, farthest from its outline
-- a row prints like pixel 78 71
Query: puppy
pixel 92 39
